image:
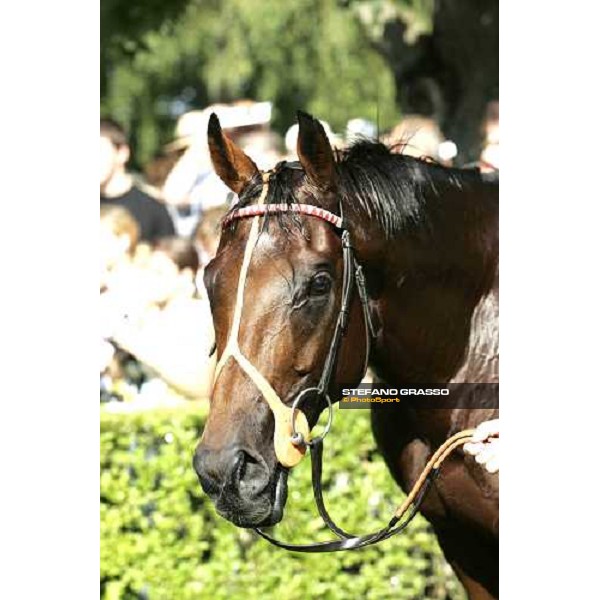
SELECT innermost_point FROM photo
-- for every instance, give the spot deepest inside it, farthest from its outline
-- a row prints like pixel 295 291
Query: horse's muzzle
pixel 242 487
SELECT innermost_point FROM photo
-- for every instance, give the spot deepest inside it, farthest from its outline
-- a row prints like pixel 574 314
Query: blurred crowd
pixel 160 228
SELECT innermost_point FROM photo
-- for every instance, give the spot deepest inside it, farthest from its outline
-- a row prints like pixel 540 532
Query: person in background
pixel 172 334
pixel 117 187
pixel 119 236
pixel 191 186
pixel 123 258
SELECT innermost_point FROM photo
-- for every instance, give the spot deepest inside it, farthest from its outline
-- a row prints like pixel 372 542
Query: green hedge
pixel 161 538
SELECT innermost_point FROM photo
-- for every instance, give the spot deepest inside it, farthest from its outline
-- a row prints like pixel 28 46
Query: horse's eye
pixel 320 284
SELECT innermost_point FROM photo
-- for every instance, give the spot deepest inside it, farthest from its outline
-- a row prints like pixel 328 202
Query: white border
pixel 549 222
pixel 49 445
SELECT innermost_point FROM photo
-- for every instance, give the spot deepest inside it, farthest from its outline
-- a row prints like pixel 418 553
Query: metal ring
pixel 297 437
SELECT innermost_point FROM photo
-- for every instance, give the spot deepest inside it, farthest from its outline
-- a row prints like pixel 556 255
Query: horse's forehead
pixel 276 247
pixel 275 252
pixel 314 236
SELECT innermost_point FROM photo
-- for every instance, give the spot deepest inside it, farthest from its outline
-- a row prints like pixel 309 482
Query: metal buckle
pixel 297 438
pixel 346 242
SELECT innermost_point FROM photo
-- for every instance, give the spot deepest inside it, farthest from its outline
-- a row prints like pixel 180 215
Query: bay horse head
pixel 288 327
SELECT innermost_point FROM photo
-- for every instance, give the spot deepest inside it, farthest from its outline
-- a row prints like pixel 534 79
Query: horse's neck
pixel 436 358
pixel 438 307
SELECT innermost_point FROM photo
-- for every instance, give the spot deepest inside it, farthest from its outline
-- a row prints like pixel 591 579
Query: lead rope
pixel 409 507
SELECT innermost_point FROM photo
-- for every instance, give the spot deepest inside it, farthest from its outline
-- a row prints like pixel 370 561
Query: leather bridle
pixel 291 437
pixel 292 432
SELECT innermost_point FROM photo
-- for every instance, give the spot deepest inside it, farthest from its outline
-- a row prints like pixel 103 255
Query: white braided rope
pixel 263 209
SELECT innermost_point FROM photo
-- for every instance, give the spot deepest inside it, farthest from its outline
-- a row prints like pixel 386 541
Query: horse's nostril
pixel 238 468
pixel 249 475
pixel 231 470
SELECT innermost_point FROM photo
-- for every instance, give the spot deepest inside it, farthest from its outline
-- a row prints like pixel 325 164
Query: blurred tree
pixel 123 25
pixel 308 54
pixel 444 56
pixel 338 59
pixel 124 28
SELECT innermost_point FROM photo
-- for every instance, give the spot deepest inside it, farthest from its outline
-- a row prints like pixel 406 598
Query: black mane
pixel 389 187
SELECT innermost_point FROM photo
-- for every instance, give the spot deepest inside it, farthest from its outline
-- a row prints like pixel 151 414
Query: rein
pixel 292 432
pixel 409 507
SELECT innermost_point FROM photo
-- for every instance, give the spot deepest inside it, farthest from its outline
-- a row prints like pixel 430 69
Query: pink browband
pixel 305 209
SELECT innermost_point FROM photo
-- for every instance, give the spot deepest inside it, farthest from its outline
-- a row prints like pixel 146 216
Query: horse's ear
pixel 315 153
pixel 230 163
